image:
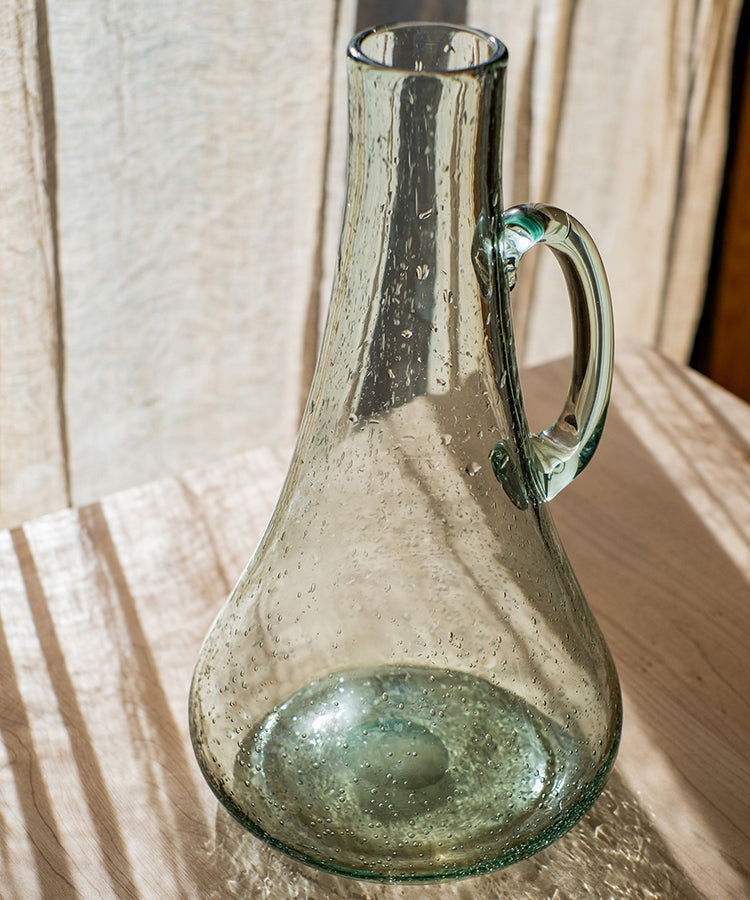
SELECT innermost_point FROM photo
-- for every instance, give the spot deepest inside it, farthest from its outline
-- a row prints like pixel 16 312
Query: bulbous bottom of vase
pixel 408 773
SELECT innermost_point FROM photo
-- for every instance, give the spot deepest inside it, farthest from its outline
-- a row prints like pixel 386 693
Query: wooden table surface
pixel 103 608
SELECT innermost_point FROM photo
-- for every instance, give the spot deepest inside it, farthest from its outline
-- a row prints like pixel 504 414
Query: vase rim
pixel 492 52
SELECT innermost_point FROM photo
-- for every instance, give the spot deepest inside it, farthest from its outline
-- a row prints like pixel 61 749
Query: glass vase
pixel 407 683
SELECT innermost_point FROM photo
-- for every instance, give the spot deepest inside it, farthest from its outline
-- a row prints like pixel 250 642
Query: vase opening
pixel 427 47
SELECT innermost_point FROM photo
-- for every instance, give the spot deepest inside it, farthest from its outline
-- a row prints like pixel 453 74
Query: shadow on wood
pixel 613 851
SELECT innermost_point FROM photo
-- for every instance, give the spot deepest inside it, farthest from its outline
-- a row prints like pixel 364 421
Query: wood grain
pixel 104 609
pixel 664 559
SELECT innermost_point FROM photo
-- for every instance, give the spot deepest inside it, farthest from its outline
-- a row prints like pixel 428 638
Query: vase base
pixel 409 773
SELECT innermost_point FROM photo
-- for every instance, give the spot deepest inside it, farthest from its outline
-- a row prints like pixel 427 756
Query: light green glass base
pixel 402 773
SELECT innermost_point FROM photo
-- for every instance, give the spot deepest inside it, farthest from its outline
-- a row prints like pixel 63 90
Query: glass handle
pixel 561 451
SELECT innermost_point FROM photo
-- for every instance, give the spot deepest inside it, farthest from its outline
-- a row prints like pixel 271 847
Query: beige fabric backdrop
pixel 171 183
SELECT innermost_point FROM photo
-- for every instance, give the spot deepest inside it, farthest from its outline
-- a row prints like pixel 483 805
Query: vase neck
pixel 409 318
pixel 423 170
pixel 425 119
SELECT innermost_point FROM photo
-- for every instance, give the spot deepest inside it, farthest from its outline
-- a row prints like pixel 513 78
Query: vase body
pixel 406 682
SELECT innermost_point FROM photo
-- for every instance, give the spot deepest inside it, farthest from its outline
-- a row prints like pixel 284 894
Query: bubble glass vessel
pixel 407 684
